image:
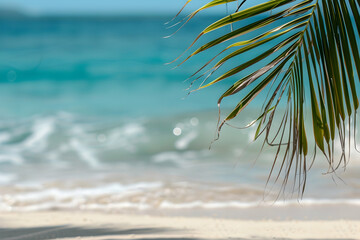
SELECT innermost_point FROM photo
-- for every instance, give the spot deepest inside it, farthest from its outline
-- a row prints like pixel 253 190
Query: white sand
pixel 89 225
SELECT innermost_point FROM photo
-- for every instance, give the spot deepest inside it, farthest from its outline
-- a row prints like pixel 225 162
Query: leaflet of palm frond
pixel 315 68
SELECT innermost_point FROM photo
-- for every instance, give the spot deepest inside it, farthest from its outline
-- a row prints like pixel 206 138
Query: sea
pixel 95 115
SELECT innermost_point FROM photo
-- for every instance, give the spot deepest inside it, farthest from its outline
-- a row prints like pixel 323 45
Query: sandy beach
pixel 110 226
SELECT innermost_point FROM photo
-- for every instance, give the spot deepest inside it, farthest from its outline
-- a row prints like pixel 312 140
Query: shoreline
pixel 100 226
pixel 276 212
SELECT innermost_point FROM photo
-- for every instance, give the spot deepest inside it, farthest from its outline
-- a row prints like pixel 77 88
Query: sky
pixel 150 7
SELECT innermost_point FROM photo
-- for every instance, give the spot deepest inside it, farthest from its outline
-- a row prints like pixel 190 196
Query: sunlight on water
pixel 177 131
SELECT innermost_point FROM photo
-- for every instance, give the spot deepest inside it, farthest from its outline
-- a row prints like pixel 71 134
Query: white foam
pixel 80 198
pixel 58 139
pixel 80 193
pixel 85 153
pixel 127 137
pixel 41 130
pixel 133 129
pixel 180 158
pixel 173 157
pixel 184 141
pixel 208 205
pixel 239 204
pixel 6 178
pixel 4 137
pixel 115 206
pixel 11 157
pixel 313 202
pixel 74 205
pixel 117 197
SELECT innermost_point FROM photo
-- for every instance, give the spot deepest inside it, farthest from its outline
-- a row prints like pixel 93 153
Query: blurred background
pixel 92 118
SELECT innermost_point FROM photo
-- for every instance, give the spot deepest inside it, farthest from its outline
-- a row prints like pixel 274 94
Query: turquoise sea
pixel 92 118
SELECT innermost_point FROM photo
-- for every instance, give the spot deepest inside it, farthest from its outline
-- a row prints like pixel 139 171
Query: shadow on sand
pixel 254 238
pixel 69 232
pixel 59 232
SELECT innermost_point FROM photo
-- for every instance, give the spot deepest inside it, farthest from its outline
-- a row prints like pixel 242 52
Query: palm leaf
pixel 313 55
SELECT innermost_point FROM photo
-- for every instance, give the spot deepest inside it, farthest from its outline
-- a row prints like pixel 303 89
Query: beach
pixel 94 225
pixel 99 140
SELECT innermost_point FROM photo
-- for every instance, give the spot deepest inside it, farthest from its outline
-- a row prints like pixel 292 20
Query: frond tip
pixel 312 53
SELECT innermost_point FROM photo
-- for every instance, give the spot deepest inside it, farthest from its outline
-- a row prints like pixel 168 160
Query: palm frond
pixel 313 55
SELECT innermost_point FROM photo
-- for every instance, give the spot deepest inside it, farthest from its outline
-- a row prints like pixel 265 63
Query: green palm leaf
pixel 313 55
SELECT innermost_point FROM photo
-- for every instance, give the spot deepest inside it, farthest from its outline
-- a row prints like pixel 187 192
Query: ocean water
pixel 92 118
